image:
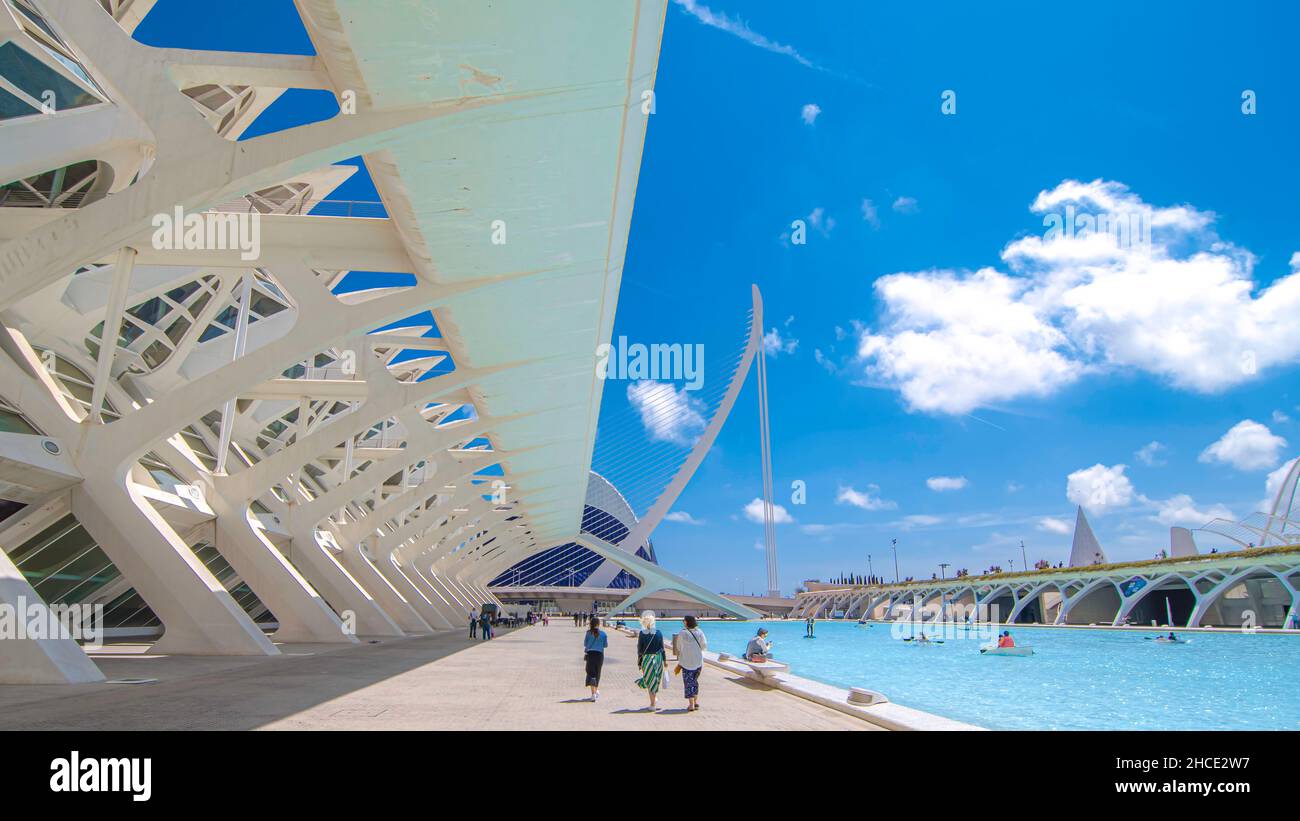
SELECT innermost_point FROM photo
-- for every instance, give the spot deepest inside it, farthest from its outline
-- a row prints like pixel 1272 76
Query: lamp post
pixel 870 571
pixel 1023 559
pixel 943 567
pixel 893 543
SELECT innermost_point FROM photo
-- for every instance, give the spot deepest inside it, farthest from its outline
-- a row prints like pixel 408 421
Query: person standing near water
pixel 650 657
pixel 691 644
pixel 809 625
pixel 594 642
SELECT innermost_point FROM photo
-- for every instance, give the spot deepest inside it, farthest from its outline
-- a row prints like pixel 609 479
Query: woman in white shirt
pixel 691 645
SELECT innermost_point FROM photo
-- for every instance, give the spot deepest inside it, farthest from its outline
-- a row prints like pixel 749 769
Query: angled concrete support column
pixel 335 583
pixel 417 597
pixel 37 661
pixel 453 609
pixel 392 601
pixel 464 593
pixel 486 594
pixel 449 595
pixel 199 617
pixel 300 611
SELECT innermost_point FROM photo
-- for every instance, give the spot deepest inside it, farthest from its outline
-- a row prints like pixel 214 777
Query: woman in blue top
pixel 594 643
pixel 650 657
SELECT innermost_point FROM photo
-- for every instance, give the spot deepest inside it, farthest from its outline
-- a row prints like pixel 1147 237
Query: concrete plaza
pixel 526 679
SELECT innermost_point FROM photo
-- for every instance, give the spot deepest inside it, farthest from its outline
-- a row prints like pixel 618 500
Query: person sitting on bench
pixel 759 649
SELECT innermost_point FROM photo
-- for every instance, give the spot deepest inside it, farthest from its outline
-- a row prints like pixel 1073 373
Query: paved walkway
pixel 527 679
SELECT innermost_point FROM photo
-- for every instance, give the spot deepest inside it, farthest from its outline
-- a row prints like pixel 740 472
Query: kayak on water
pixel 1007 651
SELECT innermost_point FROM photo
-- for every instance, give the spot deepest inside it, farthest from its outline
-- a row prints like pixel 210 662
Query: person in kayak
pixel 1005 639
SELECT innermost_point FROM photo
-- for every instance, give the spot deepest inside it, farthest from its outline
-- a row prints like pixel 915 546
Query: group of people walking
pixel 480 623
pixel 688 645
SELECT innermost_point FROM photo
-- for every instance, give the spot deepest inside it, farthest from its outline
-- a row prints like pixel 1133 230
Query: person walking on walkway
pixel 650 657
pixel 594 642
pixel 473 623
pixel 691 645
pixel 485 625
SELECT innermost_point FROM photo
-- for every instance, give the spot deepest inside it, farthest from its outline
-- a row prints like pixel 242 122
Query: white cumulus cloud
pixel 1149 454
pixel 774 343
pixel 809 113
pixel 822 223
pixel 905 205
pixel 866 500
pixel 1182 306
pixel 682 517
pixel 1099 488
pixel 1272 485
pixel 1051 524
pixel 1247 445
pixel 939 484
pixel 1181 510
pixel 668 414
pixel 869 214
pixel 754 512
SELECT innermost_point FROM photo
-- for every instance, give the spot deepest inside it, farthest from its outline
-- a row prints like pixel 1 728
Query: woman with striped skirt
pixel 650 657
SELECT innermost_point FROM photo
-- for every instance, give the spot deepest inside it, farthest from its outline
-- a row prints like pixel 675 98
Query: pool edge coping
pixel 888 715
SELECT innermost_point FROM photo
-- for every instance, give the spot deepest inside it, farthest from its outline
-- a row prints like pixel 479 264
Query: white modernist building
pixel 1255 585
pixel 317 418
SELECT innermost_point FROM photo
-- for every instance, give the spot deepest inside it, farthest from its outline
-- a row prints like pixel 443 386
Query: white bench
pixel 765 669
pixel 865 697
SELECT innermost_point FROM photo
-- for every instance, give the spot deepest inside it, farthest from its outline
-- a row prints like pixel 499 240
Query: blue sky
pixel 1147 96
pixel 895 365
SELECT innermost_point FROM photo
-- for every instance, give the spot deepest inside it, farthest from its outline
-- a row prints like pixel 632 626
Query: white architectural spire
pixel 1181 542
pixel 1086 549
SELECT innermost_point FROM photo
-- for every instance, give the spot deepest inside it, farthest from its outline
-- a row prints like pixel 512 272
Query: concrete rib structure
pixel 324 418
pixel 1255 587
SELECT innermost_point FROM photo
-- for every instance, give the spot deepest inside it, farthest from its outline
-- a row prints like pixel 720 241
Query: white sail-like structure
pixel 1085 549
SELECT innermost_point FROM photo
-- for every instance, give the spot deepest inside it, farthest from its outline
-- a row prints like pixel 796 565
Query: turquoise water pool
pixel 1076 680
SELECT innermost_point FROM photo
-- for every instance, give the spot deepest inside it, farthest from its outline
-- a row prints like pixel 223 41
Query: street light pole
pixel 1025 560
pixel 870 571
pixel 893 543
pixel 943 567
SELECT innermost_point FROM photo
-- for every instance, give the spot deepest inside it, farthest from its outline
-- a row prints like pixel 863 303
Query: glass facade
pixel 65 566
pixel 571 565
